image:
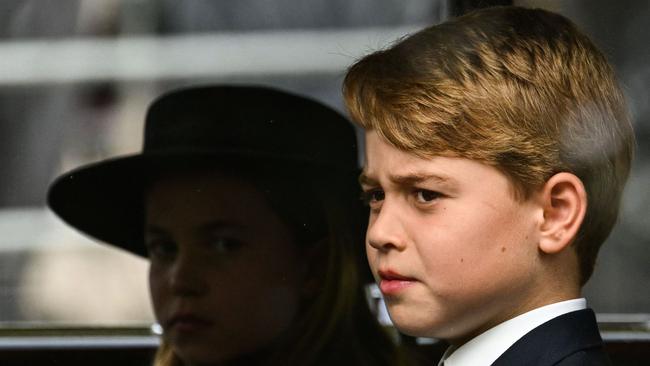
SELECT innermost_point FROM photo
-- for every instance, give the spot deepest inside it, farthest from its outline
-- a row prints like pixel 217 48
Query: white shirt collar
pixel 485 348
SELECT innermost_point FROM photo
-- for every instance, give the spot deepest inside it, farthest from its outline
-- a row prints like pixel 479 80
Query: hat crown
pixel 247 120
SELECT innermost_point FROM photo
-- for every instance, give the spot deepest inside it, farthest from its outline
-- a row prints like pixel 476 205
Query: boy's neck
pixel 552 287
pixel 458 342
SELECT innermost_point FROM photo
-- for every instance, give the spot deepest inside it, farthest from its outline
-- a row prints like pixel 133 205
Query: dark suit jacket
pixel 571 339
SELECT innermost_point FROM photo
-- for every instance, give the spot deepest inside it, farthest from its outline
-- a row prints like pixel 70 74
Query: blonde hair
pixel 522 90
pixel 165 356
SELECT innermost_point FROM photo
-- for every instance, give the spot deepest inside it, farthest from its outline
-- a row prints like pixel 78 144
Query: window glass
pixel 76 78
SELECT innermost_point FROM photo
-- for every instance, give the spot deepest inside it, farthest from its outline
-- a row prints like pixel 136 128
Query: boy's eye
pixel 372 196
pixel 426 196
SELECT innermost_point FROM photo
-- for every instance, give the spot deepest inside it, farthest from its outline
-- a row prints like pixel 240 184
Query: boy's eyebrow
pixel 407 179
pixel 366 180
pixel 418 177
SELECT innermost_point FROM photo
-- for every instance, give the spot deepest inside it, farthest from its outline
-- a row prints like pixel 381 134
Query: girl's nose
pixel 186 278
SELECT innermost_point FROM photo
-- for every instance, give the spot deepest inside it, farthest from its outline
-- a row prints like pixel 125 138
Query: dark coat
pixel 571 339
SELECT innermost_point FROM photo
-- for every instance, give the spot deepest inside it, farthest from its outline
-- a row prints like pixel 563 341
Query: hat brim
pixel 105 200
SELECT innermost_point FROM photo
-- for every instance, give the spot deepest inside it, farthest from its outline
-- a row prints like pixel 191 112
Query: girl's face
pixel 225 275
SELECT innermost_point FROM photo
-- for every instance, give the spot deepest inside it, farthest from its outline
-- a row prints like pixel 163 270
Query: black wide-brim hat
pixel 214 124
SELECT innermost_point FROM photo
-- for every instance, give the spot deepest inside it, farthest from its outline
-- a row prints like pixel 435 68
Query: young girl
pixel 244 201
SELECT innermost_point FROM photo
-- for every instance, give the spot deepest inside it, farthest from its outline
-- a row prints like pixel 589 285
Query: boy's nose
pixel 385 230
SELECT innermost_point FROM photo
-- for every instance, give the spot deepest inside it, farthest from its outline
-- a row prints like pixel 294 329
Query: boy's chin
pixel 438 328
pixel 413 326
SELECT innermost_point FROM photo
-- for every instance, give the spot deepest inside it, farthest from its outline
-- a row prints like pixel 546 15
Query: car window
pixel 76 77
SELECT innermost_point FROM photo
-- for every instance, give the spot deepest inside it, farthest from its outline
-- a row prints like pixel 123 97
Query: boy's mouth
pixel 391 275
pixel 392 282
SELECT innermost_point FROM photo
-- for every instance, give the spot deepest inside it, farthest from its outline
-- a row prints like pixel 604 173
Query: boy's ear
pixel 565 204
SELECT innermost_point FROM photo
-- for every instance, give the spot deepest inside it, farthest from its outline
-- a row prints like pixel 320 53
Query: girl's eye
pixel 372 196
pixel 426 196
pixel 224 245
pixel 161 248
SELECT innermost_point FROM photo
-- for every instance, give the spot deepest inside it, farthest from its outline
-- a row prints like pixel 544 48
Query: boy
pixel 497 148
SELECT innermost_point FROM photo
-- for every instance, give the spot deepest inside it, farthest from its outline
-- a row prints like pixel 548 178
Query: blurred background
pixel 76 77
